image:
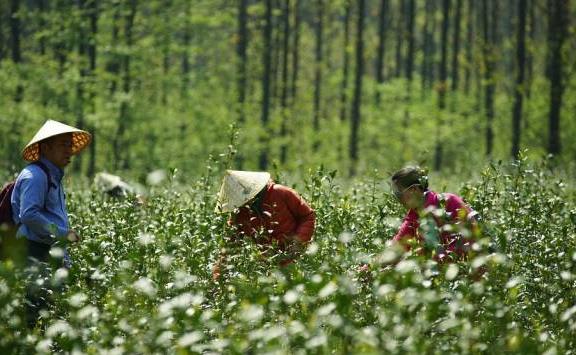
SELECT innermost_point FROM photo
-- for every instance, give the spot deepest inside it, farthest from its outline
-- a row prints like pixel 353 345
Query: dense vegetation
pixel 161 83
pixel 141 279
pixel 482 92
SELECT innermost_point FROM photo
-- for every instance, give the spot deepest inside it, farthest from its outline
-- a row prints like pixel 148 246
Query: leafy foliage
pixel 141 278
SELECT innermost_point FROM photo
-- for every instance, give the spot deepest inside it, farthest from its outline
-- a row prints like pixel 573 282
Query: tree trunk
pixel 267 62
pixel 382 24
pixel 15 33
pixel 399 38
pixel 166 39
pixel 119 142
pixel 442 86
pixel 456 44
pixel 557 32
pixel 519 87
pixel 429 28
pixel 113 65
pixel 82 72
pixel 346 63
pixel 187 38
pixel 241 51
pixel 469 43
pixel 488 74
pixel 411 39
pixel 296 50
pixel 532 40
pixel 356 103
pixel 2 39
pixel 93 17
pixel 318 68
pixel 285 83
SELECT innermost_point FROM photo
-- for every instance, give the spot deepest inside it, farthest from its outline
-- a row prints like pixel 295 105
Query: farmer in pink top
pixel 439 224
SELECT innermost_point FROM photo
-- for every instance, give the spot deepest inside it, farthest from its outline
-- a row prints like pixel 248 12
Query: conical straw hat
pixel 80 139
pixel 240 187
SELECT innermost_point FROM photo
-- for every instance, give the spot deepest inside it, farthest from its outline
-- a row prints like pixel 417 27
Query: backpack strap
pixel 48 177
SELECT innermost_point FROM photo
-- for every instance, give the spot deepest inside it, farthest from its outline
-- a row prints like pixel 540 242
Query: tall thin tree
pixel 382 24
pixel 456 45
pixel 296 50
pixel 266 77
pixel 558 11
pixel 241 51
pixel 92 12
pixel 489 85
pixel 519 87
pixel 410 21
pixel 120 160
pixel 15 34
pixel 319 29
pixel 345 62
pixel 442 86
pixel 285 82
pixel 357 100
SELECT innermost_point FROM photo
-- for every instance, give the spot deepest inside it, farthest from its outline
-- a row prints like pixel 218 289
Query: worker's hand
pixel 73 237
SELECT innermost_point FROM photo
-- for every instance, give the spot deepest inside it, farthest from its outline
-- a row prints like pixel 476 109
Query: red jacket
pixel 284 214
pixel 454 212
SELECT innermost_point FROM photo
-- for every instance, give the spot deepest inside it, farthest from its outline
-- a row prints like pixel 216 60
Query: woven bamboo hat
pixel 240 187
pixel 80 139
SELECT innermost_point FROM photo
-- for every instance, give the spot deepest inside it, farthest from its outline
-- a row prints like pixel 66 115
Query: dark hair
pixel 411 175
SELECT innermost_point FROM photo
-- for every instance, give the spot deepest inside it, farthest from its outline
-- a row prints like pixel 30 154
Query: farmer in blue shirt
pixel 38 200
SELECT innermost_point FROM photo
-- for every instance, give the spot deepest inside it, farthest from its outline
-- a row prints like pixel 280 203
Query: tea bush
pixel 141 278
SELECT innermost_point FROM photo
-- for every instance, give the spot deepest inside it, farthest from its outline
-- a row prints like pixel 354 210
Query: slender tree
pixel 456 46
pixel 345 62
pixel 124 118
pixel 266 77
pixel 296 50
pixel 411 14
pixel 489 85
pixel 82 72
pixel 2 37
pixel 15 34
pixel 427 65
pixel 186 43
pixel 399 37
pixel 92 12
pixel 468 45
pixel 442 86
pixel 318 65
pixel 558 11
pixel 531 28
pixel 241 51
pixel 356 103
pixel 285 82
pixel 382 24
pixel 113 64
pixel 519 87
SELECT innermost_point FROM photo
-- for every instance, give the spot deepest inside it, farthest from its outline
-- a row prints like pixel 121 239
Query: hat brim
pixel 80 139
pixel 228 201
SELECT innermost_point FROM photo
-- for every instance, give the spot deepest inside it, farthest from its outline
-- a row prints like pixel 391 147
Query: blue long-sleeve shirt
pixel 40 212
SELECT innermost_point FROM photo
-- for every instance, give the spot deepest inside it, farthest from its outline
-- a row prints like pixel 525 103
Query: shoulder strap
pixel 48 177
pixel 46 171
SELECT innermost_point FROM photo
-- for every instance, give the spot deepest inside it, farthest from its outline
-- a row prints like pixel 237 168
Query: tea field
pixel 141 278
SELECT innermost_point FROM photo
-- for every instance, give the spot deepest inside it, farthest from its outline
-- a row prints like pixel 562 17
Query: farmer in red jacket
pixel 272 215
pixel 439 223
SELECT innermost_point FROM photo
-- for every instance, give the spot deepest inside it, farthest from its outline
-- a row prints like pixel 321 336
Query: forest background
pixel 291 84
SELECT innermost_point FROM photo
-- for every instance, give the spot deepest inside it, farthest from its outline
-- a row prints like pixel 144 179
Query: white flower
pixel 327 290
pixel 146 239
pixel 145 286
